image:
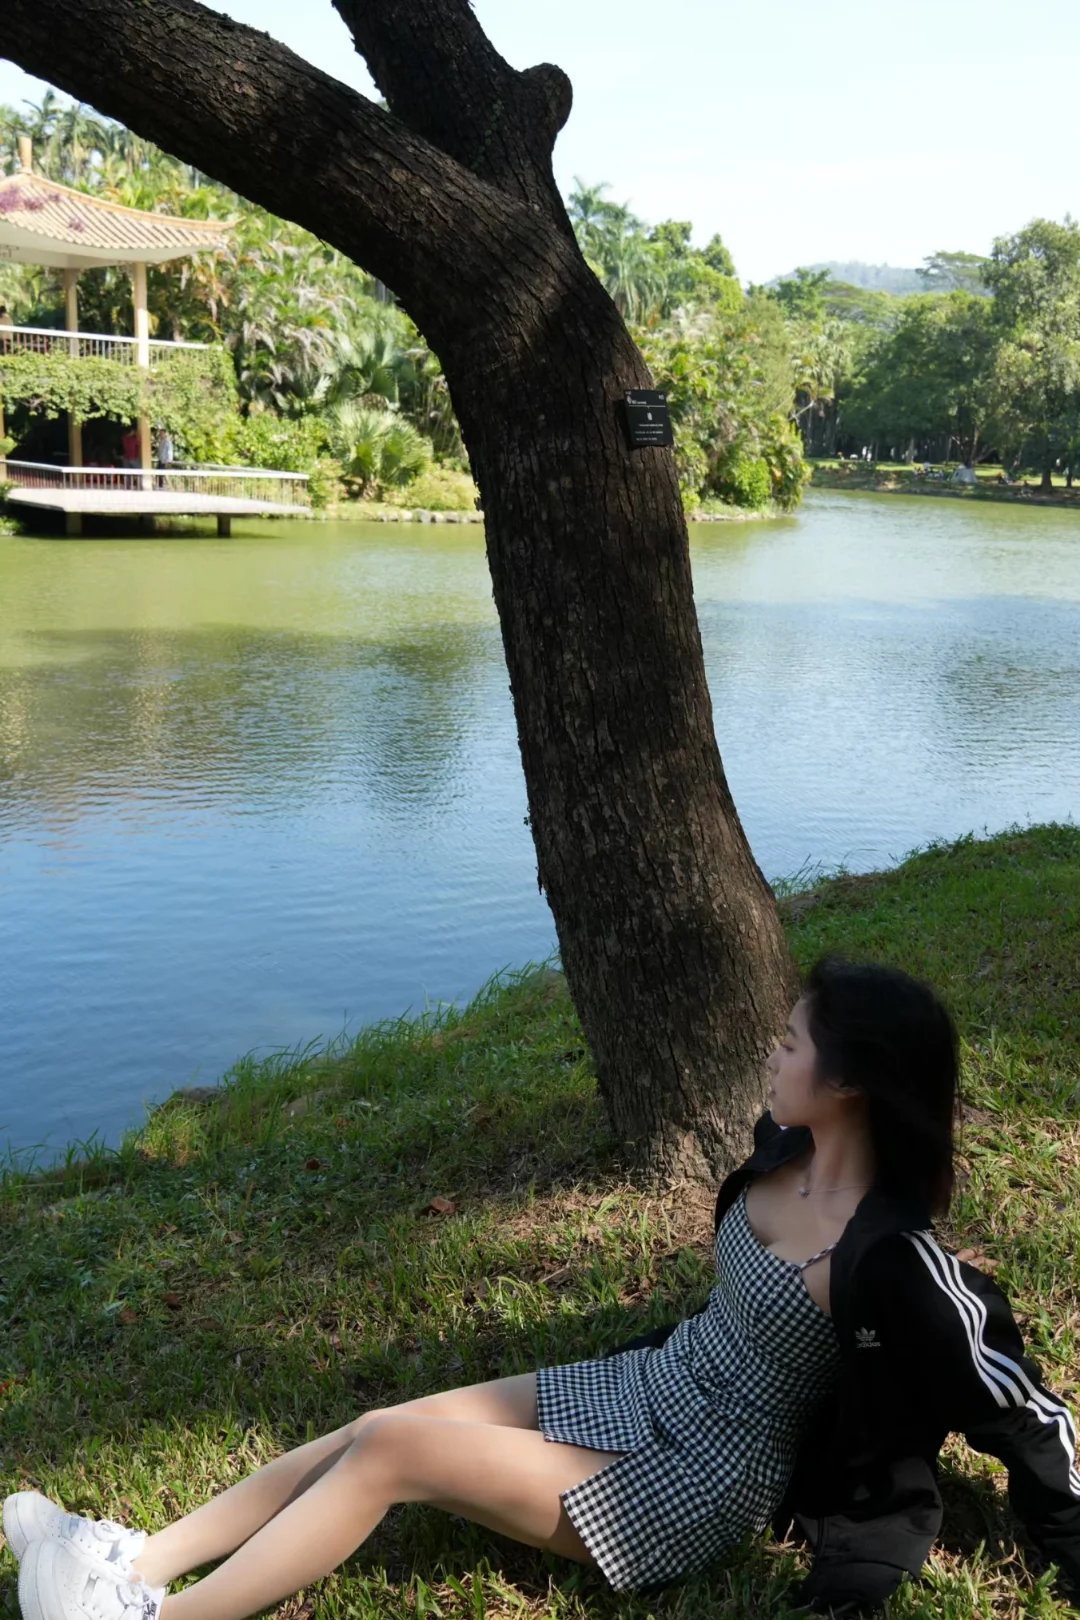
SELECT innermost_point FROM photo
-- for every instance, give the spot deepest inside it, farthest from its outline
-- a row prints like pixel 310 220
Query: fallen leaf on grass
pixel 173 1301
pixel 128 1315
pixel 312 1164
pixel 441 1206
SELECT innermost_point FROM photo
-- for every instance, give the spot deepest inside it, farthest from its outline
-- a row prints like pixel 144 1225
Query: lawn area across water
pixel 439 1201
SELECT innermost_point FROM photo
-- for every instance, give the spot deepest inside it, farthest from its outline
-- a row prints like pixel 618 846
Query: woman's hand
pixel 976 1258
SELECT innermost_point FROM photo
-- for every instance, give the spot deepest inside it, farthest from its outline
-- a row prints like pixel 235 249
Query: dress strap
pixel 802 1264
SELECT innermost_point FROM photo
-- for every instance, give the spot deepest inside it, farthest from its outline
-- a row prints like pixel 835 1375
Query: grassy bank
pixel 897 478
pixel 439 1202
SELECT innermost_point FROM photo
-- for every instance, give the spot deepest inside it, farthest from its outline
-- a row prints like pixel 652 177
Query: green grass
pixel 898 477
pixel 246 1273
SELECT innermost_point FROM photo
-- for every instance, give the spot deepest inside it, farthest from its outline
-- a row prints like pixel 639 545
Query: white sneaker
pixel 29 1516
pixel 58 1583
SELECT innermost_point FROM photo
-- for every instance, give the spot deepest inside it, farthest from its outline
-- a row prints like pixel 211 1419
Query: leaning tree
pixel 668 933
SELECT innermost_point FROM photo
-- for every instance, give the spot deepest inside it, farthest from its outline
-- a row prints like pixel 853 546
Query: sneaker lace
pixel 107 1529
pixel 98 1604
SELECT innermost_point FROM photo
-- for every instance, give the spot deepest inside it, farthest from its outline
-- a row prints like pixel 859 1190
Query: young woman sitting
pixel 839 1346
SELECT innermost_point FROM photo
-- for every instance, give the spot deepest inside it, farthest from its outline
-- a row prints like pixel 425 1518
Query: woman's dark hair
pixel 891 1037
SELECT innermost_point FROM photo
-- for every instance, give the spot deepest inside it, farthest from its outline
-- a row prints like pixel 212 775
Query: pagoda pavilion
pixel 44 223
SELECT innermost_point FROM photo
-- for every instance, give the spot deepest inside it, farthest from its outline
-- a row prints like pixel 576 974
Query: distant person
pixel 130 448
pixel 166 453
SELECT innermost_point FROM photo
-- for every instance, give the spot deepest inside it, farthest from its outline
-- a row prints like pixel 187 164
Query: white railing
pixel 242 483
pixel 83 345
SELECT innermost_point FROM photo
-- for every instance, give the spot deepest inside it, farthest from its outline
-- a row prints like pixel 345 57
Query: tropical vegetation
pixel 324 372
pixel 982 365
pixel 313 367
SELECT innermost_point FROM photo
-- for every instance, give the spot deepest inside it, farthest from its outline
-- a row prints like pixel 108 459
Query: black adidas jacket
pixel 929 1346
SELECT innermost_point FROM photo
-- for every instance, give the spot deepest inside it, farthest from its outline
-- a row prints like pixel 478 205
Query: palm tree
pixel 634 276
pixel 587 210
pixel 40 124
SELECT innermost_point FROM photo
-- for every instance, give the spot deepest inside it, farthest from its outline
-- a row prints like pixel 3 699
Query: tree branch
pixel 276 129
pixel 442 77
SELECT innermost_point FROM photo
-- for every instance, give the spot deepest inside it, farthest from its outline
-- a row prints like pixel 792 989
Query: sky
pixel 843 129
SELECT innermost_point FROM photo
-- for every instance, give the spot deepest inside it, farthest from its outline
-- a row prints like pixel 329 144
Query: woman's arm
pixel 955 1351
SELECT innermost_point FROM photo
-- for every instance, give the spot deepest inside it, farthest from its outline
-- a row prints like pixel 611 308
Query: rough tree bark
pixel 668 932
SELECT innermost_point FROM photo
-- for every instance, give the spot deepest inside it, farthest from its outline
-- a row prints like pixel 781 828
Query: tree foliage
pixel 725 360
pixel 985 361
pixel 312 337
pixel 730 400
pixel 1034 382
pixel 926 378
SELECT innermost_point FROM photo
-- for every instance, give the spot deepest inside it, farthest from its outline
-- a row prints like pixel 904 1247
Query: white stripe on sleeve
pixel 1005 1378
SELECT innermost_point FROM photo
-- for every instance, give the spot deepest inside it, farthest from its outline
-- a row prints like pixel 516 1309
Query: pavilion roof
pixel 44 223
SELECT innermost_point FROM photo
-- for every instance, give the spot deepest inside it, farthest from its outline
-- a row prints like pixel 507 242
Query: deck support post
pixel 142 358
pixel 224 526
pixel 73 525
pixel 71 307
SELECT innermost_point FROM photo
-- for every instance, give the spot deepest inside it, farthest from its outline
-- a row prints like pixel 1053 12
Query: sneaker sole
pixel 29 1581
pixel 18 1537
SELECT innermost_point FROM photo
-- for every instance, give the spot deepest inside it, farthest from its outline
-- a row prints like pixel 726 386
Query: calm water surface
pixel 253 791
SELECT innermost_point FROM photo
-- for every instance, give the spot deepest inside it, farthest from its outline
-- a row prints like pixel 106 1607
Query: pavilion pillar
pixel 142 359
pixel 71 307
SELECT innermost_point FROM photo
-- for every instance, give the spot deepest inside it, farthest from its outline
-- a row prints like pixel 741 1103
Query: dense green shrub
pixel 285 444
pixel 440 489
pixel 744 481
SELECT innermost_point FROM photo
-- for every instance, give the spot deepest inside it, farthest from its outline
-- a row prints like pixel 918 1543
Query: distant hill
pixel 871 277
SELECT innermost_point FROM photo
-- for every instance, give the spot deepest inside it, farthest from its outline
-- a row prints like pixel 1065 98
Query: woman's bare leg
pixel 509 1479
pixel 225 1523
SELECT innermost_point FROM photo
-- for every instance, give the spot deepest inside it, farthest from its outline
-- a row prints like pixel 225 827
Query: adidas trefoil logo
pixel 867 1339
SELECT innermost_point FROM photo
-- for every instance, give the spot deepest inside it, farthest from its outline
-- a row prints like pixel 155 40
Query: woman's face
pixel 792 1066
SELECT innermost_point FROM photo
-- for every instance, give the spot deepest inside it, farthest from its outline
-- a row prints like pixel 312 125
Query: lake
pixel 257 791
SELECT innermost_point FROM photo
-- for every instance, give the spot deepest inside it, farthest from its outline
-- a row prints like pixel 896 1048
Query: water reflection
pixel 250 789
pixel 247 720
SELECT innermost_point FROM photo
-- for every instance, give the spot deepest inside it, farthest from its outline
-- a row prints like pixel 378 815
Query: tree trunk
pixel 669 936
pixel 1046 487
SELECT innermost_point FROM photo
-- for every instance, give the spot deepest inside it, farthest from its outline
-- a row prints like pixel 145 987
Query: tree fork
pixel 669 936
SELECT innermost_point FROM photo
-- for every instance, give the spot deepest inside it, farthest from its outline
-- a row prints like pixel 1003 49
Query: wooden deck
pixel 76 504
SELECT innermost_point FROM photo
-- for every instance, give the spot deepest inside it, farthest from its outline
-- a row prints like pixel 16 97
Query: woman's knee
pixel 380 1444
pixel 360 1425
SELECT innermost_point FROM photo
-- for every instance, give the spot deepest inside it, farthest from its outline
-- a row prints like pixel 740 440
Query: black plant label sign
pixel 648 420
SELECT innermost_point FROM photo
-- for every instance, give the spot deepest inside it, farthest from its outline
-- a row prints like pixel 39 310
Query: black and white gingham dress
pixel 709 1423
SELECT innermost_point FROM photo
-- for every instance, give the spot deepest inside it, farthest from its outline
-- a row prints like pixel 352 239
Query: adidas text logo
pixel 867 1339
